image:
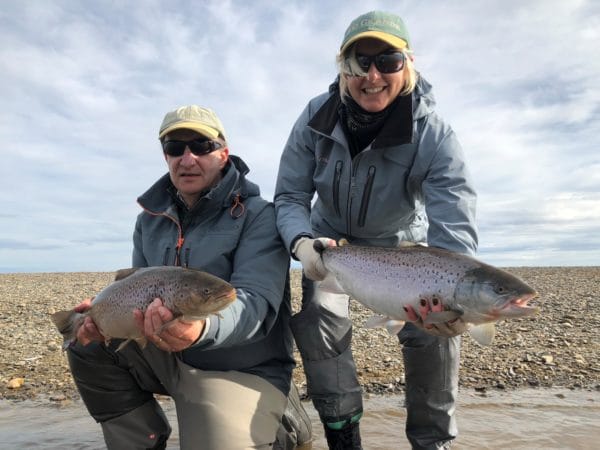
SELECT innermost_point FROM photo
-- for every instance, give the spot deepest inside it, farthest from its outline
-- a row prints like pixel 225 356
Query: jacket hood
pixel 234 184
pixel 423 99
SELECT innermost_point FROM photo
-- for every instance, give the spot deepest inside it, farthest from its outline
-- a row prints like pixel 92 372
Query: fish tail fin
pixel 67 322
pixel 484 333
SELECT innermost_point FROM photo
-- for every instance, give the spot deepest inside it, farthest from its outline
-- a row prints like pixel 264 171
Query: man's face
pixel 192 174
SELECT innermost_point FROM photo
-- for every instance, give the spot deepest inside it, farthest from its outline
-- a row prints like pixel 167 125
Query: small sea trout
pixel 190 294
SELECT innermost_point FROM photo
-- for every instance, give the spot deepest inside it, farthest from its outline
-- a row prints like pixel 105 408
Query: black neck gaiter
pixel 361 126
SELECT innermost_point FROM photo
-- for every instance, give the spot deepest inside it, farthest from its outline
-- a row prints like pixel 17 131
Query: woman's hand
pixel 443 329
pixel 170 335
pixel 311 261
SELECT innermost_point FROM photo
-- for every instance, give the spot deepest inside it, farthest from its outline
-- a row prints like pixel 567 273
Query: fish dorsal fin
pixel 407 244
pixel 124 273
pixel 330 284
pixel 484 333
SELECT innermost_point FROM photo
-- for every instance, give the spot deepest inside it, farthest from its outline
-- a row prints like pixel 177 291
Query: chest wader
pixel 323 332
pixel 431 367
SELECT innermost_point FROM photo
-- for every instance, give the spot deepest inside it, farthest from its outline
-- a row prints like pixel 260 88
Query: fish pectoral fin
pixel 141 341
pixel 393 326
pixel 330 284
pixel 441 317
pixel 484 333
pixel 121 345
pixel 168 325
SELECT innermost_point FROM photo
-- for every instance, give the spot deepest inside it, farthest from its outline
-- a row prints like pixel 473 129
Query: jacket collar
pixel 159 199
pixel 397 129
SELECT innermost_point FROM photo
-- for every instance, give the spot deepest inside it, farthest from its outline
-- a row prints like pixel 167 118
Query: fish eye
pixel 206 291
pixel 499 290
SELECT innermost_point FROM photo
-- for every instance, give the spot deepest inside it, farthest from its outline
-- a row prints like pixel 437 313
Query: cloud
pixel 85 86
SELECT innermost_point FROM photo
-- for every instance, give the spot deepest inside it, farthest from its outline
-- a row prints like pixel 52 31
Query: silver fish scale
pixel 402 275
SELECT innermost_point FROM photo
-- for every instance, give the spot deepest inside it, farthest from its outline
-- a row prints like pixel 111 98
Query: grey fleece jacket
pixel 411 183
pixel 231 233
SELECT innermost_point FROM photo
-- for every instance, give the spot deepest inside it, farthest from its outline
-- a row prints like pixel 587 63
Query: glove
pixel 311 261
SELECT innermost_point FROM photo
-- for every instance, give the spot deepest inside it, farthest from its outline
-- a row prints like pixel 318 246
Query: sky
pixel 84 87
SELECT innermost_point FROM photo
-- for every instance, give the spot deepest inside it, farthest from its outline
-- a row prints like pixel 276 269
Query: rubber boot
pixel 347 438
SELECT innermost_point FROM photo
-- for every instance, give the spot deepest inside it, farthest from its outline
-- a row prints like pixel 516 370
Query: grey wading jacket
pixel 409 184
pixel 231 233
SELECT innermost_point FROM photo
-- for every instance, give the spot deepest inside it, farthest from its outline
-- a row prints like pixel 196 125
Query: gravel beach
pixel 557 348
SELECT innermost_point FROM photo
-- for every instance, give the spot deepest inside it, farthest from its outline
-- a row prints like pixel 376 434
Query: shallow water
pixel 517 420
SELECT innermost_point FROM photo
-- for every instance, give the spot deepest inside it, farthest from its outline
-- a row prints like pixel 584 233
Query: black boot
pixel 348 438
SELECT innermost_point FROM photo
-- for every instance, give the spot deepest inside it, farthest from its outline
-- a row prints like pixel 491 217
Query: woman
pixel 385 169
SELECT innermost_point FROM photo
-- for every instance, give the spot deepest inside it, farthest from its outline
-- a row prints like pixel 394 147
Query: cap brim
pixel 394 41
pixel 208 132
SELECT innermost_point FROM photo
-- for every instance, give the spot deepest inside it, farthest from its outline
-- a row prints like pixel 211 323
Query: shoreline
pixel 558 348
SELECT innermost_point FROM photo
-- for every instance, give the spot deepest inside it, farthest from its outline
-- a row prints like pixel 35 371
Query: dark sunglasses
pixel 198 147
pixel 387 62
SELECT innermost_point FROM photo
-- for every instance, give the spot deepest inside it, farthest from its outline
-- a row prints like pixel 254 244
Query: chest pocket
pixel 212 247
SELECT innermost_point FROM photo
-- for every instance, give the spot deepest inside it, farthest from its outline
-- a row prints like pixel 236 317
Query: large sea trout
pixel 387 280
pixel 190 294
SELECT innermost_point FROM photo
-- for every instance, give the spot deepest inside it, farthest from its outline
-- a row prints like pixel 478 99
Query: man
pixel 230 374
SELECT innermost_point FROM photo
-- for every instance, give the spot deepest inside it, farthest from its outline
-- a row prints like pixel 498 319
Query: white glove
pixel 311 261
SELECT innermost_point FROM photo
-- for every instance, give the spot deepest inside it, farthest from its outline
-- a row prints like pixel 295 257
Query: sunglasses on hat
pixel 386 62
pixel 198 147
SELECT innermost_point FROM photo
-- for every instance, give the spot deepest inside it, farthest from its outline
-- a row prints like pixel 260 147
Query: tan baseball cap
pixel 193 117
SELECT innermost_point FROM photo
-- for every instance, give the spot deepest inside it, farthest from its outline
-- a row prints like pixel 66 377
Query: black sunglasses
pixel 386 62
pixel 198 147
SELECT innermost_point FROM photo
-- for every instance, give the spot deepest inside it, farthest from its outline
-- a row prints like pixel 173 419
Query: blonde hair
pixel 348 67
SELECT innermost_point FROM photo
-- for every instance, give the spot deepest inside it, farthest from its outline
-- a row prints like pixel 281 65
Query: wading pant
pixel 323 331
pixel 431 366
pixel 215 410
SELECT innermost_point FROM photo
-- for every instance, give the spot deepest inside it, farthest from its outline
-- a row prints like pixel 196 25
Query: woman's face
pixel 375 91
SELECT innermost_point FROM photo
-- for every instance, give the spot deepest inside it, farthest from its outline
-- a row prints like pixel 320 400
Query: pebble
pixel 535 351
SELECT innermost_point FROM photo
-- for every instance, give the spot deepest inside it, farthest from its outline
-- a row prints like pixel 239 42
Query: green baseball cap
pixel 380 25
pixel 193 117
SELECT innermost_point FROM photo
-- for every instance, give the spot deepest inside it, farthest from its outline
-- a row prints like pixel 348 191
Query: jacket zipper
pixel 336 186
pixel 354 165
pixel 364 205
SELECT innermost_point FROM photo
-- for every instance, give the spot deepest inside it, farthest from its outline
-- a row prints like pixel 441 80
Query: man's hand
pixel 310 259
pixel 88 331
pixel 442 329
pixel 176 336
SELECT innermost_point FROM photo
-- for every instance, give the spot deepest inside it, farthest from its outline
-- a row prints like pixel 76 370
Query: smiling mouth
pixel 374 90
